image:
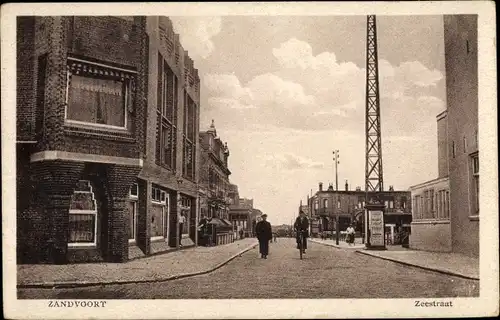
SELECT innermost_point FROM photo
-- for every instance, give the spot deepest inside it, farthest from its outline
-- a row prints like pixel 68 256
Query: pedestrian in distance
pixel 301 226
pixel 241 233
pixel 182 220
pixel 274 236
pixel 350 234
pixel 264 235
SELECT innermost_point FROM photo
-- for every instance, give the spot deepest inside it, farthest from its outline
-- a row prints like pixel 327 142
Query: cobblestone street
pixel 325 272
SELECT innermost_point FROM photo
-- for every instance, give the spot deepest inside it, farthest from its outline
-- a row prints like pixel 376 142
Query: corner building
pixel 89 172
pixel 461 61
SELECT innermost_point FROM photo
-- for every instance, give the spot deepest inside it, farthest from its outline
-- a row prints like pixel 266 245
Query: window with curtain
pixel 99 95
pixel 82 216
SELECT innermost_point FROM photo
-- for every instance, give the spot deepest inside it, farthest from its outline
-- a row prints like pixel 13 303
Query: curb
pixel 60 285
pixel 334 245
pixel 450 273
pixel 159 253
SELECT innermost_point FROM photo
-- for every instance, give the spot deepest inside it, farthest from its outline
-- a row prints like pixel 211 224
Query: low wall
pixel 431 236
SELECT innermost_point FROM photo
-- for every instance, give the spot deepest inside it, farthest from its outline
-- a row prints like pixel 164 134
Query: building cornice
pixel 85 157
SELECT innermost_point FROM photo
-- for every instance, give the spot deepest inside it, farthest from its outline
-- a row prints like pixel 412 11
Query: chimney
pixel 346 186
pixel 321 186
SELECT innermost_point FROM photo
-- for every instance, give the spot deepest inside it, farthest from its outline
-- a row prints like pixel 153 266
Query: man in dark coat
pixel 301 225
pixel 264 235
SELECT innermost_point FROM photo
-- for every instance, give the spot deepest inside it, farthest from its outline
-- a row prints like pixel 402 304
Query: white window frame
pixel 134 198
pixel 126 95
pixel 164 215
pixel 474 207
pixel 94 212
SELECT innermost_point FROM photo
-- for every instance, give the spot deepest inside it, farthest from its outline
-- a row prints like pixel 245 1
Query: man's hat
pixel 264 215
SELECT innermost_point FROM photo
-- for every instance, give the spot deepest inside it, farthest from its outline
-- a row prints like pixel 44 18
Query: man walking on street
pixel 264 235
pixel 301 225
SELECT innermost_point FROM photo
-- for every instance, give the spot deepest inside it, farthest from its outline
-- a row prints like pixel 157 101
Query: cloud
pixel 291 161
pixel 195 34
pixel 320 93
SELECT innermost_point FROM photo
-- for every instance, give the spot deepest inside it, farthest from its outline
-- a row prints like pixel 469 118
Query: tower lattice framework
pixel 373 166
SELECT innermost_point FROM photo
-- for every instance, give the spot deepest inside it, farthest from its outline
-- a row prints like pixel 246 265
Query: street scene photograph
pixel 248 157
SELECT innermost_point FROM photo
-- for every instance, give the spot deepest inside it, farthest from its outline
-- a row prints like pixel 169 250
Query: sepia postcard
pixel 257 160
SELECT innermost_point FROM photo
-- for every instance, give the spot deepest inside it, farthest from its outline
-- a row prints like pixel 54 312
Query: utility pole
pixel 336 160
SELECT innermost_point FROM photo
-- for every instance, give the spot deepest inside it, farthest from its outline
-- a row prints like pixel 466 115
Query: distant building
pixel 348 206
pixel 450 221
pixel 214 181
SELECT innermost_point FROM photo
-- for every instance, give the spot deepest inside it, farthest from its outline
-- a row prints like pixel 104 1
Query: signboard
pixel 376 227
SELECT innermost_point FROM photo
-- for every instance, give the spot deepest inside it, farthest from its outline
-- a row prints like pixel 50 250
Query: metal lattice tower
pixel 373 166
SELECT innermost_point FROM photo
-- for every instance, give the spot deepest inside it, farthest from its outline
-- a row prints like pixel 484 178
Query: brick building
pixel 90 170
pixel 453 224
pixel 240 215
pixel 430 227
pixel 348 207
pixel 214 181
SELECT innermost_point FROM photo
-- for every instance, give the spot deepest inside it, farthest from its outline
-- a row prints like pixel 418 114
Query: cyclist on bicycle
pixel 301 226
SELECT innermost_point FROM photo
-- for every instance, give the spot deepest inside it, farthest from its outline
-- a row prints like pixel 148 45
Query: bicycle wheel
pixel 301 245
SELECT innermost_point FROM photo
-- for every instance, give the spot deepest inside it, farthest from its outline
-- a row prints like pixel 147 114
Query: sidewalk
pixel 169 266
pixel 448 263
pixel 341 245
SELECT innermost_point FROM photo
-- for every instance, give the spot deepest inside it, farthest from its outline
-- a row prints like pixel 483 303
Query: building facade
pixel 96 174
pixel 447 217
pixel 169 179
pixel 430 227
pixel 214 180
pixel 241 214
pixel 460 37
pixel 348 207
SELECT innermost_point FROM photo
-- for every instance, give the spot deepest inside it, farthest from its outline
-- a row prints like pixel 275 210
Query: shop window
pixel 157 221
pixel 83 216
pixel 158 213
pixel 99 95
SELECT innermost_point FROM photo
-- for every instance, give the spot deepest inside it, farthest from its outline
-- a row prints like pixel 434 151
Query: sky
pixel 285 92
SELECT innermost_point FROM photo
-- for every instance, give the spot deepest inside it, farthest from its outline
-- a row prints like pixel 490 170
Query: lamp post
pixel 336 160
pixel 336 157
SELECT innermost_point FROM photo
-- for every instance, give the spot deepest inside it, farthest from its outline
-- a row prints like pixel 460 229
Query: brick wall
pixel 106 38
pixel 120 179
pixel 47 215
pixel 25 67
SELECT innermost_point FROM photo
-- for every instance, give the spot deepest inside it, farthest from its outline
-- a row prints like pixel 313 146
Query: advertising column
pixel 375 227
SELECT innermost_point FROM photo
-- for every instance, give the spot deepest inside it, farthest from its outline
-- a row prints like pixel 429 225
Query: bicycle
pixel 301 243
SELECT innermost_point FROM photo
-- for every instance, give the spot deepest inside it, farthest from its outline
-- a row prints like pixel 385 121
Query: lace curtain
pixel 96 101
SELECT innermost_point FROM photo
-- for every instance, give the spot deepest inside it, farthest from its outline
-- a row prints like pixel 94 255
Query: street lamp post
pixel 336 157
pixel 336 160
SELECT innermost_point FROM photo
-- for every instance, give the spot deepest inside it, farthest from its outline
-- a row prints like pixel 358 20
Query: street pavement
pixel 325 272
